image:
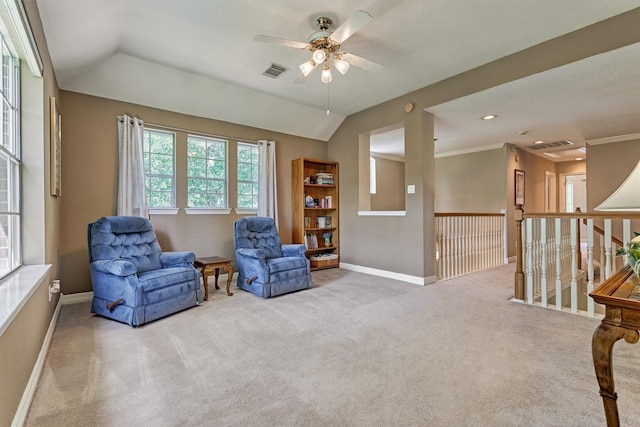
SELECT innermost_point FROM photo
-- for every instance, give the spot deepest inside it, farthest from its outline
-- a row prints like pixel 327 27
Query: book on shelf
pixel 324 178
pixel 311 241
pixel 320 222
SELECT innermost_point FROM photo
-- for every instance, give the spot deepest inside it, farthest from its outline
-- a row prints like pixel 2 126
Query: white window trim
pixel 207 211
pixel 164 211
pixel 174 196
pixel 199 210
pixel 246 211
pixel 16 290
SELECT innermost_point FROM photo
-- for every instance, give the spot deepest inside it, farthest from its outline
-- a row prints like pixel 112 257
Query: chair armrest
pixel 168 259
pixel 117 267
pixel 295 250
pixel 251 253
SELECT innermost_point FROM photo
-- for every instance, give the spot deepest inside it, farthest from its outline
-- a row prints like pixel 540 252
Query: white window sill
pixel 207 211
pixel 246 211
pixel 382 213
pixel 16 290
pixel 164 211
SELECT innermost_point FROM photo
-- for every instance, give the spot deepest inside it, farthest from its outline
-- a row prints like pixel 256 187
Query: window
pixel 10 185
pixel 247 176
pixel 159 168
pixel 206 172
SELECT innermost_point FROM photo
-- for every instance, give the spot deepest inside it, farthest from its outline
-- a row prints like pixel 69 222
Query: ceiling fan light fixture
pixel 307 67
pixel 341 65
pixel 319 56
pixel 326 74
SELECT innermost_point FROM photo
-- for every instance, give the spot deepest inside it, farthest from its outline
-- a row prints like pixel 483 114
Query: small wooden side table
pixel 213 264
pixel 620 294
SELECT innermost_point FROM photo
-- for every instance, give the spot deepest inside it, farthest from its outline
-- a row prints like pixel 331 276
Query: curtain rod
pixel 120 118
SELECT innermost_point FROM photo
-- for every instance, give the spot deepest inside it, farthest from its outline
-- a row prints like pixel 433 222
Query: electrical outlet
pixel 54 288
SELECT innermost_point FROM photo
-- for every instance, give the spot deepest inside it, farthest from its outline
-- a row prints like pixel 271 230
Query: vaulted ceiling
pixel 198 57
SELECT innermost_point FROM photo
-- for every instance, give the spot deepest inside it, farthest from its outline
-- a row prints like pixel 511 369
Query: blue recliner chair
pixel 134 282
pixel 266 267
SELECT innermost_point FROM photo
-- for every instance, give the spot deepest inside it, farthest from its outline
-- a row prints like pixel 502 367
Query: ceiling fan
pixel 324 46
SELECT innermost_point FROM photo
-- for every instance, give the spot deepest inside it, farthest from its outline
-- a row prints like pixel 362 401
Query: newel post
pixel 519 277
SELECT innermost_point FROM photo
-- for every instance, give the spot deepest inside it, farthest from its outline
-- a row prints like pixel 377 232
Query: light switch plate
pixel 411 189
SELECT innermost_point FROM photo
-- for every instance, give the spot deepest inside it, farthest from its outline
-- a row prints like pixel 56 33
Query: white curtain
pixel 267 186
pixel 132 193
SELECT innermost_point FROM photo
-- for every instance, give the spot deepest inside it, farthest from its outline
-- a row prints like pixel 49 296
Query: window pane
pixel 10 185
pixel 247 175
pixel 9 243
pixel 159 167
pixel 206 172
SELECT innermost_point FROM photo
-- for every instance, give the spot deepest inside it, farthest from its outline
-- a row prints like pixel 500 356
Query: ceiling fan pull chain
pixel 327 100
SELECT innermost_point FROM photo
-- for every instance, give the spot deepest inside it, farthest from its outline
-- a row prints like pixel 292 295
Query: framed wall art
pixel 56 136
pixel 518 185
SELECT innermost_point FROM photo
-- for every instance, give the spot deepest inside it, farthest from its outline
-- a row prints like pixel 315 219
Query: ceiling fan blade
pixel 277 40
pixel 354 23
pixel 300 78
pixel 360 62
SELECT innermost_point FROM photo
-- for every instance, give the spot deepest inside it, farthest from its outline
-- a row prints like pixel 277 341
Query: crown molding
pixel 610 139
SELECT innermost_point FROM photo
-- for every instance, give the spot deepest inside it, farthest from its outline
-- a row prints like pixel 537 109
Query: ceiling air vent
pixel 274 70
pixel 555 144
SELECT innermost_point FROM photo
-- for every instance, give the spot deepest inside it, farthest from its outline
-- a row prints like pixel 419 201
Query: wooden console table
pixel 620 294
pixel 213 264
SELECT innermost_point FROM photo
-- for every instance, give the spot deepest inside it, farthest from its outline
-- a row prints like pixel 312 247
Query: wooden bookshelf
pixel 326 208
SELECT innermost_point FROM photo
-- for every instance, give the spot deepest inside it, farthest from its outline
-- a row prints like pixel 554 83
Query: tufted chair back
pixel 258 232
pixel 125 237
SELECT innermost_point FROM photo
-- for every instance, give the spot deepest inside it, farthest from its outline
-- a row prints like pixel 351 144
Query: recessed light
pixel 489 117
pixel 579 158
pixel 540 141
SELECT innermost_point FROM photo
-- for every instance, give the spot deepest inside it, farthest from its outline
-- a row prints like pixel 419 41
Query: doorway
pixel 550 191
pixel 574 192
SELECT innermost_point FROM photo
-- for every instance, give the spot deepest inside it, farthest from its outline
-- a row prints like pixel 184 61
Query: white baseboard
pixel 75 298
pixel 29 391
pixel 416 280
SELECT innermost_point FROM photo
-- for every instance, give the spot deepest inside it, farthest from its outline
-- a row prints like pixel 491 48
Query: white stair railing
pixel 549 257
pixel 468 242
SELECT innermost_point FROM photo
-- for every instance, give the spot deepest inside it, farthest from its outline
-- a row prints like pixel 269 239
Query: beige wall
pixel 389 185
pixel 472 182
pixel 90 167
pixel 22 340
pixel 608 165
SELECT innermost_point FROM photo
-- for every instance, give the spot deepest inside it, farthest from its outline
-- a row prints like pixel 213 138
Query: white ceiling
pixel 198 57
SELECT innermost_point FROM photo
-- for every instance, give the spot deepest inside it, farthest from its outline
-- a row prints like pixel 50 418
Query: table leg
pixel 229 270
pixel 604 337
pixel 205 283
pixel 217 273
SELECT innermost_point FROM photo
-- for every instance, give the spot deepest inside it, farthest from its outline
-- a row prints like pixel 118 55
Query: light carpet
pixel 354 350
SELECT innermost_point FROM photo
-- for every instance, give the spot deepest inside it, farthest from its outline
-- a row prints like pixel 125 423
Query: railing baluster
pixel 590 302
pixel 574 265
pixel 626 235
pixel 543 279
pixel 607 248
pixel 558 264
pixel 529 229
